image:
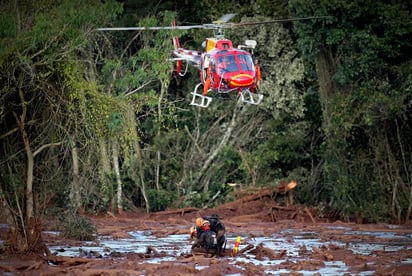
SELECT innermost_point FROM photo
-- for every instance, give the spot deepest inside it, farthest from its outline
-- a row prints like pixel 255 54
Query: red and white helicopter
pixel 223 69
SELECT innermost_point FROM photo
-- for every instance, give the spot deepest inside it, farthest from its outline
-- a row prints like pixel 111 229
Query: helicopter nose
pixel 242 80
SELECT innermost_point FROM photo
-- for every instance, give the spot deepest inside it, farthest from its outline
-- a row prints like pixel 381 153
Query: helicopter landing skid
pixel 199 99
pixel 252 98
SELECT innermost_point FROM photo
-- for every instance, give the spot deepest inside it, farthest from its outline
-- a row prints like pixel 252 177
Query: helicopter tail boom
pixel 191 56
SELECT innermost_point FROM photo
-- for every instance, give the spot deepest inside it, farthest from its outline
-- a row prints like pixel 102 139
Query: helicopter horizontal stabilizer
pixel 252 98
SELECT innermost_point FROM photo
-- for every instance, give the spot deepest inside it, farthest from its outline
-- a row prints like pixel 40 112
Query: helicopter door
pixel 206 64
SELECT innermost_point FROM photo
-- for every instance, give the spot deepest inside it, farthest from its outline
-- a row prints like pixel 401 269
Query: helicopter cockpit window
pixel 227 64
pixel 246 62
pixel 212 65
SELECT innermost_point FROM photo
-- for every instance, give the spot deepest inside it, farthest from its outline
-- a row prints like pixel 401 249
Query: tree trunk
pixel 104 157
pixel 105 166
pixel 160 120
pixel 325 69
pixel 406 171
pixel 75 190
pixel 224 140
pixel 27 236
pixel 118 176
pixel 131 123
pixel 252 171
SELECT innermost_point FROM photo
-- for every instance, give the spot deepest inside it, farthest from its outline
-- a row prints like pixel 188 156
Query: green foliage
pixel 362 46
pixel 285 148
pixel 77 227
pixel 230 168
pixel 7 33
pixel 196 199
pixel 161 199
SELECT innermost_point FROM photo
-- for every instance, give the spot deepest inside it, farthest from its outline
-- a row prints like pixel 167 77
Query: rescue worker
pixel 207 76
pixel 258 73
pixel 215 225
pixel 206 85
pixel 207 240
pixel 219 228
pixel 223 64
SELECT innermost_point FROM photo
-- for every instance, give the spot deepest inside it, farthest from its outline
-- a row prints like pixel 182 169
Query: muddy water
pixel 291 241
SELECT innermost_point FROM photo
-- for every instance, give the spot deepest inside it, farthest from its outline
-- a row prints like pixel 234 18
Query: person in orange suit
pixel 206 85
pixel 258 73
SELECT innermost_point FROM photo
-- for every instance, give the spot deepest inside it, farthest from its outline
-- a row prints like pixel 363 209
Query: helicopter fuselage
pixel 230 69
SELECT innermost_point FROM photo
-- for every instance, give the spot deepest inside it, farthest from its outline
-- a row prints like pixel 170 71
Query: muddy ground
pixel 252 215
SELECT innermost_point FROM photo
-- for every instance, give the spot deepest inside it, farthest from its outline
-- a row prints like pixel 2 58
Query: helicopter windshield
pixel 227 63
pixel 235 63
pixel 246 62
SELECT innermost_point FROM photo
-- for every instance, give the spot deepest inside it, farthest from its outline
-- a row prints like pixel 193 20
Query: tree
pixel 358 54
pixel 39 43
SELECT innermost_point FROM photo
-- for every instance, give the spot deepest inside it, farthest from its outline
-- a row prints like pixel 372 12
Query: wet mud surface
pixel 275 240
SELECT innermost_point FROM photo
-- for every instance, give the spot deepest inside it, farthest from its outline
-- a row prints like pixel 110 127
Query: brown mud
pixel 252 215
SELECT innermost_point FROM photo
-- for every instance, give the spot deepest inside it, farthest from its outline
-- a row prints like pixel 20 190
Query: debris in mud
pixel 262 252
pixel 276 239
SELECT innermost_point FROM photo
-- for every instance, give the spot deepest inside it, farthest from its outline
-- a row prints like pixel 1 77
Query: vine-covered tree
pixel 362 57
pixel 42 83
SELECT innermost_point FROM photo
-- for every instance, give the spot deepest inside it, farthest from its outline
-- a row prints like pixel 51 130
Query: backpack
pixel 219 231
pixel 210 240
pixel 215 223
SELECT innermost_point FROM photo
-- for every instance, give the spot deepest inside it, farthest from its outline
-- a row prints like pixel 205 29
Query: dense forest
pixel 91 121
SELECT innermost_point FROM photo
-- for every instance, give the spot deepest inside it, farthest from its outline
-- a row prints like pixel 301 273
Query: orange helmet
pixel 199 222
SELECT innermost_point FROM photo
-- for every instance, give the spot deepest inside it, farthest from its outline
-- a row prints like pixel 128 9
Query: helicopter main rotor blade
pixel 225 18
pixel 152 28
pixel 218 25
pixel 276 21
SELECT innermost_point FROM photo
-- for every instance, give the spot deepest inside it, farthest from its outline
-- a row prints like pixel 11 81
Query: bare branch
pixel 194 140
pixel 46 146
pixel 9 133
pixel 138 88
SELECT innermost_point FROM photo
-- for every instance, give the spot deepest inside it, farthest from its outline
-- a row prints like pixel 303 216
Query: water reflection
pixel 291 241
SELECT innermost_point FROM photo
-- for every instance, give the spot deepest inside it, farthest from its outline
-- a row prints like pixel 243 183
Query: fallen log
pixel 263 193
pixel 35 266
pixel 247 218
pixel 106 271
pixel 7 268
pixel 177 212
pixel 57 260
pixel 279 207
pixel 283 187
pixel 247 248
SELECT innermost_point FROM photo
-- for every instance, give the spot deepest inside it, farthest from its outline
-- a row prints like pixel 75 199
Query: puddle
pixel 359 242
pixel 289 240
pixel 173 245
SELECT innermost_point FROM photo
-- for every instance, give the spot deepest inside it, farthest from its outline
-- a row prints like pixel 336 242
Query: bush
pixel 195 199
pixel 159 200
pixel 77 227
